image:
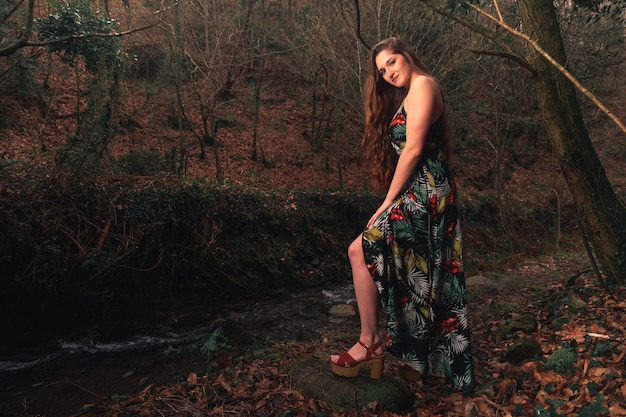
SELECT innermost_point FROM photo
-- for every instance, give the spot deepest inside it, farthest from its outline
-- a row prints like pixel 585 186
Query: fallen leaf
pixel 192 379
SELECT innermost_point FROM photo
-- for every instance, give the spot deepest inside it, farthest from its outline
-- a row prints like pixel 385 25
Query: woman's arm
pixel 423 105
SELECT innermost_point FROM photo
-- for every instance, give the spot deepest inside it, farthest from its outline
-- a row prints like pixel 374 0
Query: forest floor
pixel 574 314
pixel 578 368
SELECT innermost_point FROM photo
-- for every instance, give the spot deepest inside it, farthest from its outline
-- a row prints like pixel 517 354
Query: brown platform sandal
pixel 348 367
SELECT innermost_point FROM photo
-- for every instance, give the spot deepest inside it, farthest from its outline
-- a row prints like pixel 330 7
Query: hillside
pixel 535 203
pixel 35 127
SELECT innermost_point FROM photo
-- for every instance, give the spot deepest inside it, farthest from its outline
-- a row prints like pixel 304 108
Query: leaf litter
pixel 591 385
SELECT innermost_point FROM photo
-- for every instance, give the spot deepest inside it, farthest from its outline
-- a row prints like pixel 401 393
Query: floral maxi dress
pixel 414 253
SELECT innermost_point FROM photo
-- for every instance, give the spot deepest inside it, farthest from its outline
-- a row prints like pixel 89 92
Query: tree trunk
pixel 602 215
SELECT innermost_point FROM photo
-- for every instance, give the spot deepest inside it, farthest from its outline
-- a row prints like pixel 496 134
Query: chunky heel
pixel 376 372
pixel 348 367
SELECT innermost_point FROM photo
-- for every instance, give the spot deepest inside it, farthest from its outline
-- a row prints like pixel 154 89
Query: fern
pixel 212 343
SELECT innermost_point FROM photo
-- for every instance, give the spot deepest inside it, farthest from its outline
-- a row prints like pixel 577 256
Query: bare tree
pixel 213 46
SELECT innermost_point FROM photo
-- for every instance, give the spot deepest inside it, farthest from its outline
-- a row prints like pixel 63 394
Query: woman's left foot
pixel 348 364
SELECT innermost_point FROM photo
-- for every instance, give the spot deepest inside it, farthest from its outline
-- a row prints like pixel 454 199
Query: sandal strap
pixel 371 350
pixel 346 360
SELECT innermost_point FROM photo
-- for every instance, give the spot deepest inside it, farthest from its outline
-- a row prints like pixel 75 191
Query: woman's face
pixel 393 68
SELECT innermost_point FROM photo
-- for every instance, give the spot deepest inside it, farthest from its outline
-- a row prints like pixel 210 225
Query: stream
pixel 57 376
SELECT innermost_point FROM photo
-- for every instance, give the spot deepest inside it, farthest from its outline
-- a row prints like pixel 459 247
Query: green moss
pixel 522 350
pixel 525 322
pixel 562 360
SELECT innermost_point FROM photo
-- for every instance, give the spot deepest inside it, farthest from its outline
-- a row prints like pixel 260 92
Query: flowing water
pixel 58 376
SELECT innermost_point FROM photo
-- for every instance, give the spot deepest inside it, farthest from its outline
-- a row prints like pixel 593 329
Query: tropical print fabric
pixel 414 253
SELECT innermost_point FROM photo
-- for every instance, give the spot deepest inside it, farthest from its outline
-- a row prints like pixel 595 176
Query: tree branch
pixel 24 42
pixel 556 64
pixel 522 62
pixel 10 12
pixel 28 30
pixel 481 30
pixel 358 24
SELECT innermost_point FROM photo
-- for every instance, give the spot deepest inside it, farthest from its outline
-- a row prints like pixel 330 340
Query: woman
pixel 409 257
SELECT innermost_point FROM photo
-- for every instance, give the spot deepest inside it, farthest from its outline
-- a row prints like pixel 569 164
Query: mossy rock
pixel 500 333
pixel 522 350
pixel 520 322
pixel 313 377
pixel 576 303
pixel 342 311
pixel 524 322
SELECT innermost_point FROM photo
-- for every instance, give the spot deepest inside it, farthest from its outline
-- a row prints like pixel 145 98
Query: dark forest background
pixel 216 144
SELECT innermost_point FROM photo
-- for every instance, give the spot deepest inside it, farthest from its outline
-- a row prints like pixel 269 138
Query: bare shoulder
pixel 424 92
pixel 425 81
pixel 424 86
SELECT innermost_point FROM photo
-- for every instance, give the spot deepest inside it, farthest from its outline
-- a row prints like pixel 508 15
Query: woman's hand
pixel 386 204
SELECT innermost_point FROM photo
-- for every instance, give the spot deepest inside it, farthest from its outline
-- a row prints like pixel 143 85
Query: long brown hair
pixel 381 102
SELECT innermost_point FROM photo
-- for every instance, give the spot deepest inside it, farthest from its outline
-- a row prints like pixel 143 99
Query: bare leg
pixel 367 302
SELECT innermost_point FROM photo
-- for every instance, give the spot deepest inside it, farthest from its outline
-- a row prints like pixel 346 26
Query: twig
pixel 492 403
pixel 606 337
